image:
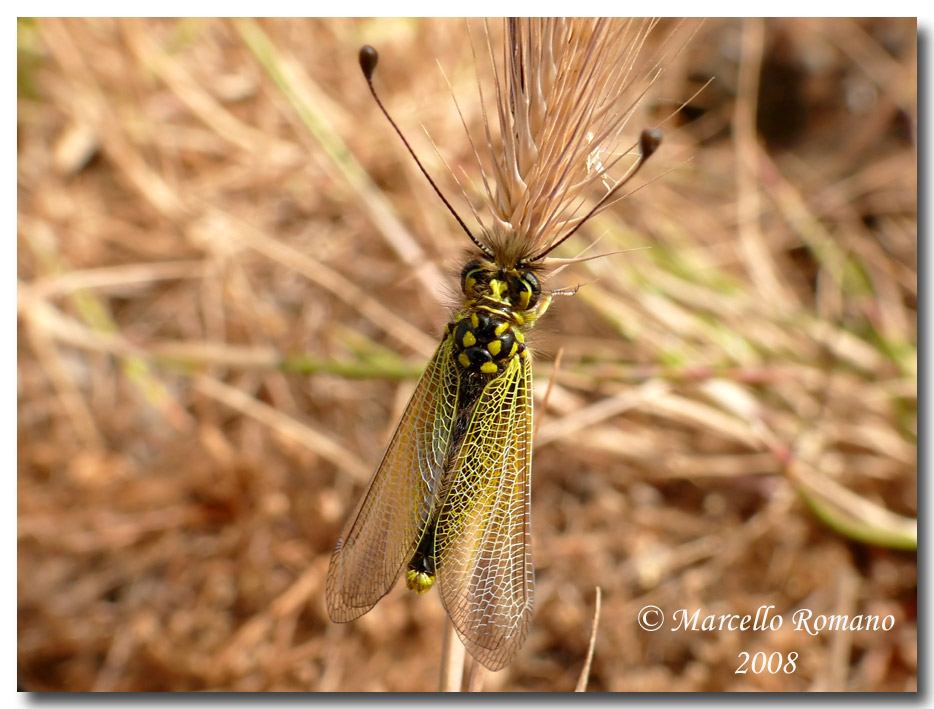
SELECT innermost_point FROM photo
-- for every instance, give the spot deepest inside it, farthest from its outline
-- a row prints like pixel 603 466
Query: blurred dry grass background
pixel 230 274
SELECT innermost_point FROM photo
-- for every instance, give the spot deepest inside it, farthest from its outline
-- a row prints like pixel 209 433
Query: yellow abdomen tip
pixel 418 581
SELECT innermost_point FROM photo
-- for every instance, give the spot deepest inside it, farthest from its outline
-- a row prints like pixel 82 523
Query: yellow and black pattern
pixel 485 343
pixel 450 501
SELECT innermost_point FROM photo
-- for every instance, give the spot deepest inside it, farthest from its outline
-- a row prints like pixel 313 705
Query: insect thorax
pixel 501 303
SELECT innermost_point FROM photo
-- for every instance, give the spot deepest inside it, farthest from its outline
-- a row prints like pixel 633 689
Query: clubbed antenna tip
pixel 369 57
pixel 649 140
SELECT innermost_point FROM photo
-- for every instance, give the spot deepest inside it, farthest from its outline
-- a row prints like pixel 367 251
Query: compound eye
pixel 470 274
pixel 531 287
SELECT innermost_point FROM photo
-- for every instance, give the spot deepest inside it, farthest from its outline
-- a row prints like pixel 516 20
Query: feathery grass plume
pixel 450 503
pixel 565 91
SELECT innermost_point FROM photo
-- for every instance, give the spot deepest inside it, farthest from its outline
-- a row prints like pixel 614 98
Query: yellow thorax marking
pixel 498 289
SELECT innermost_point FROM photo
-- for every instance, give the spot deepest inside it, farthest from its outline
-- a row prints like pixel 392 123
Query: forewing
pixel 383 533
pixel 483 543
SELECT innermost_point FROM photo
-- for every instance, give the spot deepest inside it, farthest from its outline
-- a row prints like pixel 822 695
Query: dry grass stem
pixel 585 671
pixel 453 654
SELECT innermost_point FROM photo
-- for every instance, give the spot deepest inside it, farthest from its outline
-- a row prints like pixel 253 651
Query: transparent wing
pixel 483 543
pixel 383 533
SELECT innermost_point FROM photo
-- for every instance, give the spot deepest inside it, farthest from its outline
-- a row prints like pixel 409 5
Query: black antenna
pixel 368 60
pixel 649 141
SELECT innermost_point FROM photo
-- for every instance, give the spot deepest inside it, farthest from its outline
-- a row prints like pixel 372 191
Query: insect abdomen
pixel 420 575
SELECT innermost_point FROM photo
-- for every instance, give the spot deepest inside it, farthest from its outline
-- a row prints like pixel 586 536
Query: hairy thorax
pixel 501 305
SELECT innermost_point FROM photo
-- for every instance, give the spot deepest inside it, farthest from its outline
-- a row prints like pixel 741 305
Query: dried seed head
pixel 565 91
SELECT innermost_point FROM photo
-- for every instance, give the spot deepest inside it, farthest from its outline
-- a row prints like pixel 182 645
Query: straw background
pixel 231 273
